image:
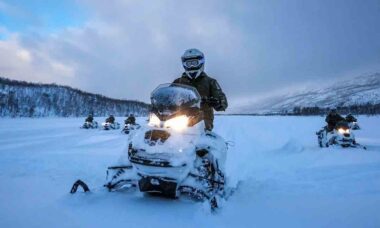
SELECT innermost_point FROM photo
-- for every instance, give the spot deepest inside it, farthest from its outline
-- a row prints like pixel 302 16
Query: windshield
pixel 170 97
pixel 342 124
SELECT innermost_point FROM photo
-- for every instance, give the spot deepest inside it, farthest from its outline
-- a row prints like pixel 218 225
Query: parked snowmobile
pixel 353 122
pixel 128 127
pixel 90 125
pixel 110 125
pixel 173 155
pixel 341 135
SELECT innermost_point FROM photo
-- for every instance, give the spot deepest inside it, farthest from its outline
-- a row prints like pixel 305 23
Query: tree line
pixel 24 99
pixel 364 109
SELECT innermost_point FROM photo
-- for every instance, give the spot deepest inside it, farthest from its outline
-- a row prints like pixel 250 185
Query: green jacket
pixel 89 119
pixel 332 119
pixel 208 88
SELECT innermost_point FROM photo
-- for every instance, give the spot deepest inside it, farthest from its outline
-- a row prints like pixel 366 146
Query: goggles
pixel 193 63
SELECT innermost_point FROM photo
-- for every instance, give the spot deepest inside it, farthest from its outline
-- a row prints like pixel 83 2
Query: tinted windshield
pixel 174 96
pixel 342 124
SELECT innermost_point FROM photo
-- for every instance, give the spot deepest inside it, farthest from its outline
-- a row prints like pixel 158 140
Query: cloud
pixel 126 48
pixel 21 62
pixel 133 44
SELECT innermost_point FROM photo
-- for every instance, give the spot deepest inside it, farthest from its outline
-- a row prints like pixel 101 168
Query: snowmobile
pixel 341 135
pixel 128 127
pixel 354 126
pixel 90 125
pixel 353 122
pixel 173 155
pixel 110 126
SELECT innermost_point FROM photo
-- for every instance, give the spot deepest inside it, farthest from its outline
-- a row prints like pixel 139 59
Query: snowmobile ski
pixel 79 183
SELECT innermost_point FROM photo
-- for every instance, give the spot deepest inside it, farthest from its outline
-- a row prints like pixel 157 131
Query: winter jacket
pixel 110 119
pixel 89 119
pixel 332 120
pixel 208 88
pixel 130 120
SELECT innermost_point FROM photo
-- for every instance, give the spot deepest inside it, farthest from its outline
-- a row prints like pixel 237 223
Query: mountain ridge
pixel 358 91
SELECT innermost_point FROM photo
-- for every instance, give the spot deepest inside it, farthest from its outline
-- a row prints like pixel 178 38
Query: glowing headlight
pixel 177 123
pixel 154 121
pixel 343 131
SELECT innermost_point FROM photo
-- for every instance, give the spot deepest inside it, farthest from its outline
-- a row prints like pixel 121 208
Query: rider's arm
pixel 216 92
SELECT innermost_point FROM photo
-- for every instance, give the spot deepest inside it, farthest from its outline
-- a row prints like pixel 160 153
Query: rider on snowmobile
pixel 212 95
pixel 350 118
pixel 130 120
pixel 332 119
pixel 89 118
pixel 110 119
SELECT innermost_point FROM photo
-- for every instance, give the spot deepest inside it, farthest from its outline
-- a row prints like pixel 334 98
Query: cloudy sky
pixel 125 48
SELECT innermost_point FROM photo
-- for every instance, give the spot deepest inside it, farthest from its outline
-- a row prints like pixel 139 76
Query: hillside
pixel 359 94
pixel 23 99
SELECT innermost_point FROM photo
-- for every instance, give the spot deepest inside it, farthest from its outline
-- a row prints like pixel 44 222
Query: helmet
pixel 333 111
pixel 193 61
pixel 131 115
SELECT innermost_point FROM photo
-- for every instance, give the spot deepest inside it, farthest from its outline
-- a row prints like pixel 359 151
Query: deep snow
pixel 286 179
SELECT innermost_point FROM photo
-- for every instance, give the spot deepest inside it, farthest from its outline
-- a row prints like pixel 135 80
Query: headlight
pixel 177 123
pixel 154 121
pixel 343 131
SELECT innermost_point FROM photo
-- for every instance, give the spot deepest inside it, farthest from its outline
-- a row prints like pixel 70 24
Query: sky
pixel 125 48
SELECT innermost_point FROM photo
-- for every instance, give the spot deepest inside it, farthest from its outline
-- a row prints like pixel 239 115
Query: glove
pixel 220 107
pixel 217 104
pixel 213 102
pixel 210 101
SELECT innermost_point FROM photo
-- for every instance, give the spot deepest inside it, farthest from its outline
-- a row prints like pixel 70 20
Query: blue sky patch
pixel 46 16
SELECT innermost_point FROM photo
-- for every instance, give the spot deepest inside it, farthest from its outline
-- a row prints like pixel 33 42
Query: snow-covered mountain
pixel 23 99
pixel 359 91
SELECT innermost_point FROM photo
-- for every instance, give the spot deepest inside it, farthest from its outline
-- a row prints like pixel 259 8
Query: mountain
pixel 361 93
pixel 23 99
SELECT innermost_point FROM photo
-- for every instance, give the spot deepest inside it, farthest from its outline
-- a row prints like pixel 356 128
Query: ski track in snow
pixel 285 179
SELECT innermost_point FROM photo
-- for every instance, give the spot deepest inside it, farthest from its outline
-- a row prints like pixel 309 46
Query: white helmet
pixel 193 61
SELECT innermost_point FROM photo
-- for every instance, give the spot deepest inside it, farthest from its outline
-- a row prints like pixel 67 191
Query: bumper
pixel 157 165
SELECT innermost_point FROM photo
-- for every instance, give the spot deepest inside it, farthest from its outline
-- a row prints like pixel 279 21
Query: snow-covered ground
pixel 286 179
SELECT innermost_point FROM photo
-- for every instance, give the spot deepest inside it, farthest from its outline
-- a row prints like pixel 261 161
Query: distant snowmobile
pixel 353 122
pixel 130 127
pixel 354 125
pixel 173 155
pixel 90 125
pixel 341 135
pixel 110 126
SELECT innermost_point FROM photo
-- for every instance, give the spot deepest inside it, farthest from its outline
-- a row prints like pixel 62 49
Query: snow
pixel 285 179
pixel 361 90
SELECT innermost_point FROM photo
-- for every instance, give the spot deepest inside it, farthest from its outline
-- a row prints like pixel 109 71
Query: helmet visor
pixel 193 64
